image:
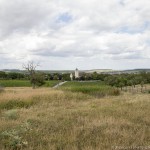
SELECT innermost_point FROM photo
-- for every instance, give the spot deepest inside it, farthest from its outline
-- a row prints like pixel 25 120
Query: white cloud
pixel 63 34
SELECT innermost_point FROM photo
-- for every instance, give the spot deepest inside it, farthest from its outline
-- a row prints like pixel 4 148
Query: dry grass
pixel 74 121
pixel 24 93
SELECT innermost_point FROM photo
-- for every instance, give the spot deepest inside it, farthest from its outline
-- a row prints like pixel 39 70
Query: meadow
pixel 61 119
pixel 96 89
pixel 24 83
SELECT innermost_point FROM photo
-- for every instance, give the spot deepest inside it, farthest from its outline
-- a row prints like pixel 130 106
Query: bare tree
pixel 31 68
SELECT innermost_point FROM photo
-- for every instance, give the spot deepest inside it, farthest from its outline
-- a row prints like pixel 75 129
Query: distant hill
pixel 109 71
pixel 11 70
pixel 147 70
pixel 57 71
pixel 98 70
pixel 136 70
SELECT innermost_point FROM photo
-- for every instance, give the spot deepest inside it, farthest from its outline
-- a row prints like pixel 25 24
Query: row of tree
pixel 26 75
pixel 114 80
pixel 12 75
pixel 126 80
pixel 117 80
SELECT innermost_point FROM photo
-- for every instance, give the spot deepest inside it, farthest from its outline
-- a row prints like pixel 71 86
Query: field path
pixel 59 84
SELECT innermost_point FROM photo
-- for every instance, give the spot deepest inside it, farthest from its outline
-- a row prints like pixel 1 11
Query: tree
pixel 38 79
pixel 121 85
pixel 35 78
pixel 88 76
pixel 15 75
pixel 95 75
pixel 12 75
pixel 2 75
pixel 55 77
pixel 66 77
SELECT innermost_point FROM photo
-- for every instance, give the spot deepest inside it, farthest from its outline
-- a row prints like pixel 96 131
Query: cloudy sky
pixel 65 34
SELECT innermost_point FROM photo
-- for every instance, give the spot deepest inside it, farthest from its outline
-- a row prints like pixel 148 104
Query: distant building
pixel 76 73
pixel 71 76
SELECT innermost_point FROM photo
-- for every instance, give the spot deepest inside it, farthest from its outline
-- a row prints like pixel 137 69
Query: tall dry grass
pixel 62 120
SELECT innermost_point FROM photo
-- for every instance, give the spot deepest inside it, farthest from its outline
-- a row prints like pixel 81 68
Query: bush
pixel 13 104
pixel 11 114
pixel 13 139
pixel 37 80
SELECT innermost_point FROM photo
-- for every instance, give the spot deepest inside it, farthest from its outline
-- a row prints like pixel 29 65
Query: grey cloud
pixel 59 53
pixel 129 56
pixel 86 29
pixel 24 16
pixel 6 60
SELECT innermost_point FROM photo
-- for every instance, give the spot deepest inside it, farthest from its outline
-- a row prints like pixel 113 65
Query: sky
pixel 65 34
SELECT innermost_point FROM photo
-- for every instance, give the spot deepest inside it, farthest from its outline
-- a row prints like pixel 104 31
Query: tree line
pixel 113 80
pixel 12 75
pixel 121 81
pixel 26 76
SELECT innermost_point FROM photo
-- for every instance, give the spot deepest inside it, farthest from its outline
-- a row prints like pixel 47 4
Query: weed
pixel 11 114
pixel 13 139
pixel 13 104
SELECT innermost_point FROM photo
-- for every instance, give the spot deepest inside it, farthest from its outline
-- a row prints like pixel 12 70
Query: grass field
pixel 96 89
pixel 48 119
pixel 24 83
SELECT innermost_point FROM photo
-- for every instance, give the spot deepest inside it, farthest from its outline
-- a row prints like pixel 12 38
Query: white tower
pixel 76 73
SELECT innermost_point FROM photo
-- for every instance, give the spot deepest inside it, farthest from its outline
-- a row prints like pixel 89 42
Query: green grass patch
pixel 24 83
pixel 15 83
pixel 13 104
pixel 51 83
pixel 97 89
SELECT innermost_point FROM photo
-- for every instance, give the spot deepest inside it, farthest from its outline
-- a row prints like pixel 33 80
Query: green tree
pixel 3 75
pixel 66 76
pixel 121 84
pixel 38 79
pixel 12 75
pixel 95 76
pixel 55 77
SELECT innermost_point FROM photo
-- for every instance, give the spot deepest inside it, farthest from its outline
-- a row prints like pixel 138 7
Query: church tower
pixel 76 73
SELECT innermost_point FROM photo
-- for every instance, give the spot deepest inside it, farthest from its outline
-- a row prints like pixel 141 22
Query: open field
pixel 63 120
pixel 96 89
pixel 24 83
